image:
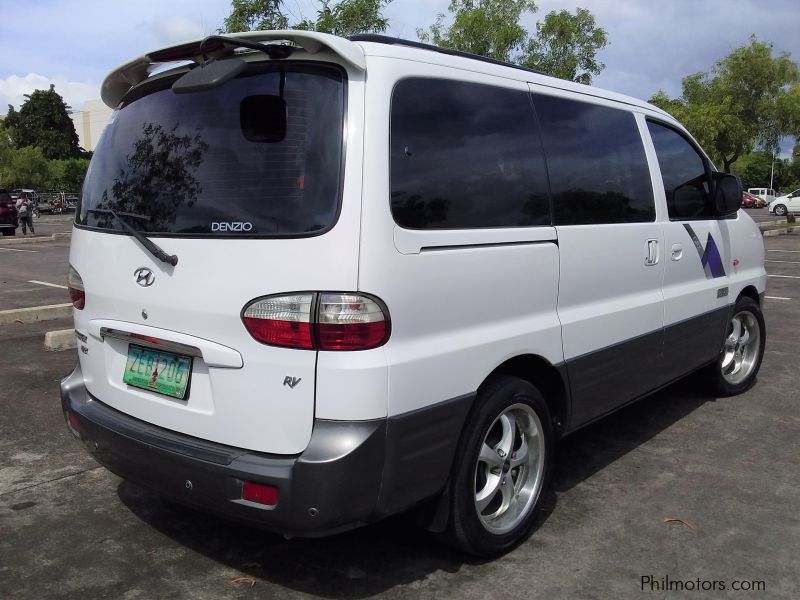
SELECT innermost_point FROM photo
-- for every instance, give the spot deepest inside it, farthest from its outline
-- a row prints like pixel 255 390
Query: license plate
pixel 157 371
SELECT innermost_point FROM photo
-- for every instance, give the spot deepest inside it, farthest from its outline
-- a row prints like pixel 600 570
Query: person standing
pixel 25 214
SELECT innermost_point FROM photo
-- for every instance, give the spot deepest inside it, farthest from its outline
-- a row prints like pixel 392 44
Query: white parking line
pixel 776 298
pixel 798 251
pixel 17 250
pixel 786 276
pixel 790 262
pixel 55 285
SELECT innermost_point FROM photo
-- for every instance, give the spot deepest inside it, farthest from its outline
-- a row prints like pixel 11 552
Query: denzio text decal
pixel 231 226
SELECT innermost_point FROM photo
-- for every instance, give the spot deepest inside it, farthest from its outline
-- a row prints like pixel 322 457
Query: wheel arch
pixel 750 292
pixel 551 381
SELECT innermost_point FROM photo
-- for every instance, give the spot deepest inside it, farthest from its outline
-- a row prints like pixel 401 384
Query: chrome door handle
pixel 677 252
pixel 652 253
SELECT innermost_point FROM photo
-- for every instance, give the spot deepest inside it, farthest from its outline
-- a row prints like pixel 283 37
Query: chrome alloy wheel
pixel 742 345
pixel 510 469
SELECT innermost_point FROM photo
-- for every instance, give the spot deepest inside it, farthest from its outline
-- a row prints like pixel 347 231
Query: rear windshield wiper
pixel 170 259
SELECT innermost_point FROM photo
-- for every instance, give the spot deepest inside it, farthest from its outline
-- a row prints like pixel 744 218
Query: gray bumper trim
pixel 333 485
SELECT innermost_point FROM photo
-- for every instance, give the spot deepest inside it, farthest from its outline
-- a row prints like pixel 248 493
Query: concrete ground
pixel 679 485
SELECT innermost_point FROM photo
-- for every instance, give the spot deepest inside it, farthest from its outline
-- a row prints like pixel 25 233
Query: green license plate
pixel 157 371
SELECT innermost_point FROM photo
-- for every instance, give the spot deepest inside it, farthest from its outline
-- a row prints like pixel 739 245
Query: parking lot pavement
pixel 678 485
pixel 33 274
pixel 761 215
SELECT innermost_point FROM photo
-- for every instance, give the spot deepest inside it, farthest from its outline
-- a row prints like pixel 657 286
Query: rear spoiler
pixel 132 73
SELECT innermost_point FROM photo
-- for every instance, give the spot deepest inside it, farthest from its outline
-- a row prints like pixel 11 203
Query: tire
pixel 780 210
pixel 742 352
pixel 493 503
pixel 9 232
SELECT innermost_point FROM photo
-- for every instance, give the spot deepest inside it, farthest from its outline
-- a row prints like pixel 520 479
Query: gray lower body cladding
pixel 352 472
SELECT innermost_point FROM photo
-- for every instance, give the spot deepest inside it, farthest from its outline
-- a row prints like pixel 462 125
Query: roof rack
pixel 385 39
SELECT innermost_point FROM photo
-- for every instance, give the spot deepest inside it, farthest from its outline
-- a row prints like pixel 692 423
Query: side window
pixel 684 173
pixel 465 155
pixel 597 165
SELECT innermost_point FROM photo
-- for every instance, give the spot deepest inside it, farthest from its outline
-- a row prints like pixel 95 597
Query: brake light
pixel 281 321
pixel 76 292
pixel 318 321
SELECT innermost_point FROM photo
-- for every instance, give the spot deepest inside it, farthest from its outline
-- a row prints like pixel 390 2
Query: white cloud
pixel 14 88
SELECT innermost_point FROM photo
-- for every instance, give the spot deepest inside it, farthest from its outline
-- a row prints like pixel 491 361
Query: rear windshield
pixel 257 156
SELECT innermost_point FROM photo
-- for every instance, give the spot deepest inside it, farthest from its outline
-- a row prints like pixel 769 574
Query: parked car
pixel 8 213
pixel 751 201
pixel 785 204
pixel 389 276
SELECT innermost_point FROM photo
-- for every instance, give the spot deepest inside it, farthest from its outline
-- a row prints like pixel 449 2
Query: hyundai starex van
pixel 319 281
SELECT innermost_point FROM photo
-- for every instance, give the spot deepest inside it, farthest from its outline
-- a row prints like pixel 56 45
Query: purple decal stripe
pixel 710 258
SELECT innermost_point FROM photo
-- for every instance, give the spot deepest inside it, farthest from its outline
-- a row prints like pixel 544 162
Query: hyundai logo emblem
pixel 144 276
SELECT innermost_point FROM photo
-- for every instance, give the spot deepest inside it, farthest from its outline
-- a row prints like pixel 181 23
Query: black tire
pixel 9 232
pixel 727 385
pixel 466 529
pixel 780 210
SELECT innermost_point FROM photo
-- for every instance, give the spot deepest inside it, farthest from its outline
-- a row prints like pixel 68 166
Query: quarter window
pixel 684 173
pixel 465 155
pixel 597 165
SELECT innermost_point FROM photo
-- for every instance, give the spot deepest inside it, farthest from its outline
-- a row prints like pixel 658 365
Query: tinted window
pixel 465 155
pixel 684 173
pixel 595 157
pixel 258 155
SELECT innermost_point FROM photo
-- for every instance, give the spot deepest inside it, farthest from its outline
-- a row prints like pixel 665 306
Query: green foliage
pixel 43 121
pixel 749 99
pixel 348 17
pixel 251 15
pixel 343 18
pixel 485 27
pixel 27 167
pixel 68 174
pixel 754 170
pixel 566 45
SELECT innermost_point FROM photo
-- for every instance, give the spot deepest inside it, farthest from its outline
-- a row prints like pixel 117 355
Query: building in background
pixel 90 123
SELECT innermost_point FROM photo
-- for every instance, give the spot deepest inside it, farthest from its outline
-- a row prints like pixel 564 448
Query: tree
pixel 348 17
pixel 28 167
pixel 749 99
pixel 43 121
pixel 250 15
pixel 565 45
pixel 343 18
pixel 488 28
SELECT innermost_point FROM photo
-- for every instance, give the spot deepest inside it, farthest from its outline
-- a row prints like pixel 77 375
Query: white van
pixel 322 283
pixel 766 194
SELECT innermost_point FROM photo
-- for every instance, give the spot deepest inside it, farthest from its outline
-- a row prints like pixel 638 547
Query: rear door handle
pixel 651 257
pixel 677 252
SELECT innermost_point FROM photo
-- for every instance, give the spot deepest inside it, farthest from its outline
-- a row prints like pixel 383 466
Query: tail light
pixel 76 291
pixel 318 321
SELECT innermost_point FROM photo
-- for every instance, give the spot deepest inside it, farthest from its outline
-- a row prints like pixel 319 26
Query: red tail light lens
pixel 350 322
pixel 281 321
pixel 318 321
pixel 76 292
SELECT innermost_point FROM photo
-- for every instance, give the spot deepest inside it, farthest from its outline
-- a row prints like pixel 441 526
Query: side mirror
pixel 727 193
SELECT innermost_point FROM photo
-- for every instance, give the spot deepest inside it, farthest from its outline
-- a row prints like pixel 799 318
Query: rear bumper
pixel 333 485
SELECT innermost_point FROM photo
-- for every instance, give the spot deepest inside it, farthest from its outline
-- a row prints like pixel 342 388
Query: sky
pixel 652 44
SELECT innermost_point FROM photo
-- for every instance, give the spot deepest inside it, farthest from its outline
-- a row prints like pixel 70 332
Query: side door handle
pixel 677 251
pixel 651 257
